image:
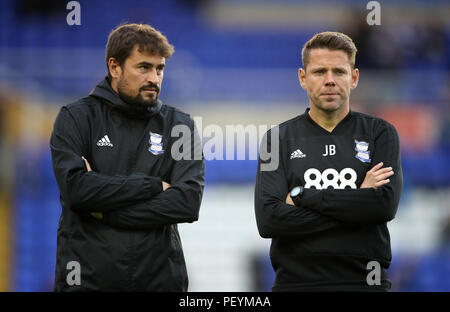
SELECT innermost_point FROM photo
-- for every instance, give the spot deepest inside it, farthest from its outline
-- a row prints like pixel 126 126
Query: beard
pixel 136 101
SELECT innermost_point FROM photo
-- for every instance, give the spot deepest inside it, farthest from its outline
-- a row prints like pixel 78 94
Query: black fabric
pixel 336 228
pixel 136 246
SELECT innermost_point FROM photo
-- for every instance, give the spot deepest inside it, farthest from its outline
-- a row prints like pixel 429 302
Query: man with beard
pixel 123 189
pixel 338 182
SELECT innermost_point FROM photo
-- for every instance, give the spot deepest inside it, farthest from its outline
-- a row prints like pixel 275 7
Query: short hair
pixel 123 38
pixel 332 41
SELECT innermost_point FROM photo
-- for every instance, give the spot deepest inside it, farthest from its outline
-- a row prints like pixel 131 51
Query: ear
pixel 114 68
pixel 302 77
pixel 355 79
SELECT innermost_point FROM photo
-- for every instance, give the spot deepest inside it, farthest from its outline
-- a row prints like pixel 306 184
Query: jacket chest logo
pixel 105 141
pixel 297 154
pixel 156 145
pixel 362 151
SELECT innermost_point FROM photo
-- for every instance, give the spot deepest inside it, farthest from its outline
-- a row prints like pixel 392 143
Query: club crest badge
pixel 156 145
pixel 362 151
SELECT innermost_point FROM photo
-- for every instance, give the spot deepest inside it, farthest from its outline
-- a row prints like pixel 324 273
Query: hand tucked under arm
pixel 376 201
pixel 377 176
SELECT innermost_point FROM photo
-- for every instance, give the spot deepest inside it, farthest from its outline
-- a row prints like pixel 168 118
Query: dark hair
pixel 331 41
pixel 122 40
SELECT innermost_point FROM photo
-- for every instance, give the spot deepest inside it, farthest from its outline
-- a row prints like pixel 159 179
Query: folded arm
pixel 85 191
pixel 274 217
pixel 377 199
pixel 178 204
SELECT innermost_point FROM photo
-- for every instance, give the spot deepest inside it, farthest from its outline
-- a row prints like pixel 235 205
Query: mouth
pixel 330 94
pixel 150 91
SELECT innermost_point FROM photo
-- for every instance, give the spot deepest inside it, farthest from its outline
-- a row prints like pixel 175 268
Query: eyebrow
pixel 325 68
pixel 162 65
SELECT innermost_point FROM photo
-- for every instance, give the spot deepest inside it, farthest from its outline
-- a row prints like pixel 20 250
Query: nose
pixel 153 77
pixel 329 79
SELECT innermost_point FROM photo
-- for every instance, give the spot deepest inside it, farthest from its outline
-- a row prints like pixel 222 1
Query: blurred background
pixel 235 62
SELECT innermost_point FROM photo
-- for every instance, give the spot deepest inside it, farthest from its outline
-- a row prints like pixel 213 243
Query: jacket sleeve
pixel 85 191
pixel 368 205
pixel 275 218
pixel 178 204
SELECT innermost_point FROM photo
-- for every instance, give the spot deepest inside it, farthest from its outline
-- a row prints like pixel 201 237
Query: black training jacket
pixel 136 247
pixel 328 241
